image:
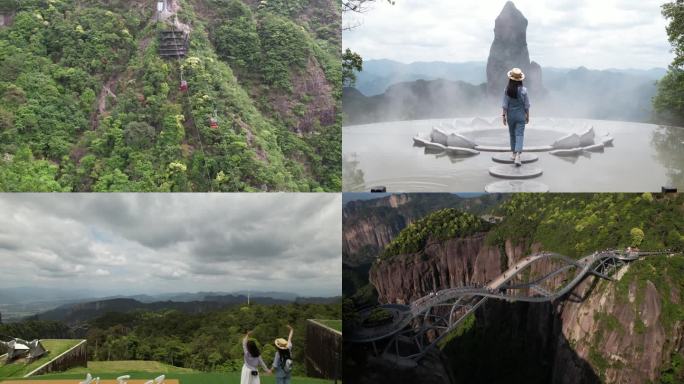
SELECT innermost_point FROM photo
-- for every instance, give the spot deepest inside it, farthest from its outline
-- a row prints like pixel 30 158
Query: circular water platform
pixel 511 171
pixel 516 186
pixel 577 155
pixel 506 158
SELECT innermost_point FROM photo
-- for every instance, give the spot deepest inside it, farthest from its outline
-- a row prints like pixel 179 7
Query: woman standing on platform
pixel 516 112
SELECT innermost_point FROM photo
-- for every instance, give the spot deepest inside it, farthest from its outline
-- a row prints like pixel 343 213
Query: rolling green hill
pixel 87 104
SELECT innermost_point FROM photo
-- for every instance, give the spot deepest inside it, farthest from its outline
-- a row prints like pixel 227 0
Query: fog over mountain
pixel 389 90
pixel 378 75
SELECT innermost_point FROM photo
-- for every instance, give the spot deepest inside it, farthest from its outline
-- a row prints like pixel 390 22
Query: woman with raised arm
pixel 250 369
pixel 282 362
pixel 516 112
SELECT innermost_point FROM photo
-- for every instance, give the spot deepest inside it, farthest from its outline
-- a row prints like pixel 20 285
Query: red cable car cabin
pixel 213 123
pixel 184 86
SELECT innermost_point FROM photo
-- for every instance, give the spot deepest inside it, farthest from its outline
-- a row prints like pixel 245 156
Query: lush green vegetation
pixel 334 324
pixel 378 316
pixel 673 372
pixel 440 225
pixel 205 342
pixel 35 329
pixel 578 224
pixel 669 102
pixel 574 225
pixel 55 348
pixel 88 105
pixel 209 341
pixel 667 275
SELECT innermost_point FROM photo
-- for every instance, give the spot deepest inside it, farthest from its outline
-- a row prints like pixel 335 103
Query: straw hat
pixel 281 343
pixel 516 74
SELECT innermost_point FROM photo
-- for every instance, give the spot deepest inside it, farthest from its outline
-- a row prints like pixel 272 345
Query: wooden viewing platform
pixel 173 43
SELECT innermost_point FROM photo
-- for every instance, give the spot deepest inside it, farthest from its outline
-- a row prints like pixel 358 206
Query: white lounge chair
pixel 88 380
pixel 149 382
pixel 160 379
pixel 123 379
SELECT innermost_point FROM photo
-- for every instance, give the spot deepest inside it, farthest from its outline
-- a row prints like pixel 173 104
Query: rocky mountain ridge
pixel 509 50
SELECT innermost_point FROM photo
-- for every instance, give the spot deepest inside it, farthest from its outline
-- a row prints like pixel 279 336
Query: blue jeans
pixel 517 131
pixel 283 380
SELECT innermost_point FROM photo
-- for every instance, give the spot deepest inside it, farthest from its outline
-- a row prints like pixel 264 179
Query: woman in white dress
pixel 250 369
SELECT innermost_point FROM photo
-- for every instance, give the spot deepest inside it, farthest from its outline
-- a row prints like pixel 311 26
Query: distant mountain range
pixel 75 306
pixel 378 75
pixel 76 313
pixel 443 90
pixel 72 314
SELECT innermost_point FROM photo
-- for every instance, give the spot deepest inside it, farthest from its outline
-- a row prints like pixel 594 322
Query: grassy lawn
pixel 184 378
pixel 128 366
pixel 334 324
pixel 55 348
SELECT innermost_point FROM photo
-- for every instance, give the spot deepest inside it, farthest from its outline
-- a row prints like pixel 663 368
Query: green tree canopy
pixel 669 101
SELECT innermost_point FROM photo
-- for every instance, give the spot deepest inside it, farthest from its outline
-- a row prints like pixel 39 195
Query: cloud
pixel 173 242
pixel 561 33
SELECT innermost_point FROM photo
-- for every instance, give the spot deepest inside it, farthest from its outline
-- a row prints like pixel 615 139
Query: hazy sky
pixel 154 243
pixel 597 34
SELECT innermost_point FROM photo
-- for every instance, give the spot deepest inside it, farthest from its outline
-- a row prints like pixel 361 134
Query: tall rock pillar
pixel 509 50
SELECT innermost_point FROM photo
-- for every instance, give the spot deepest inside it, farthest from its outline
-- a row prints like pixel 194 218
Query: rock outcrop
pixel 509 50
pixel 441 265
pixel 600 333
pixel 370 225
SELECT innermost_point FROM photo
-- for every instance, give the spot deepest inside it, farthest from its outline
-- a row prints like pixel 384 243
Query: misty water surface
pixel 644 157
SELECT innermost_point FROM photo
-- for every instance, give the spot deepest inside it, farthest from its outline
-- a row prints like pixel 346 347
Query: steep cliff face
pixel 368 226
pixel 368 237
pixel 626 331
pixel 509 50
pixel 441 265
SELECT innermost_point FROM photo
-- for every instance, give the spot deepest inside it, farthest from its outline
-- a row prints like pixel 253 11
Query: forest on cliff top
pixel 623 330
pixel 571 224
pixel 89 105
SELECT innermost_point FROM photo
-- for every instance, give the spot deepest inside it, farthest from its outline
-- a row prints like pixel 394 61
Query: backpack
pixel 286 362
pixel 287 367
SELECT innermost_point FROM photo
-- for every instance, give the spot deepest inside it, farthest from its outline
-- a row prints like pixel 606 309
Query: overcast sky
pixel 597 34
pixel 155 243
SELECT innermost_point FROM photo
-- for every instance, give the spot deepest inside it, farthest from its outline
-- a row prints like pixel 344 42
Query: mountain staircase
pixel 173 44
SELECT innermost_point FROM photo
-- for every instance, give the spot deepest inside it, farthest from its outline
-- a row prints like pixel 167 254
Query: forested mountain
pixel 73 314
pixel 88 104
pixel 208 341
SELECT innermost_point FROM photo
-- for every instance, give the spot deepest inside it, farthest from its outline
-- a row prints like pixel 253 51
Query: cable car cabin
pixel 213 123
pixel 184 86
